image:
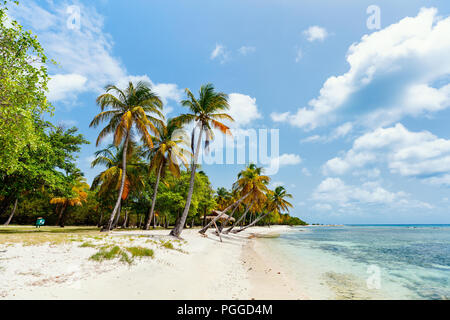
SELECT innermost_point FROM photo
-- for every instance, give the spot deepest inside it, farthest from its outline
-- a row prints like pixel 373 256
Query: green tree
pixel 78 195
pixel 134 107
pixel 205 112
pixel 49 166
pixel 23 85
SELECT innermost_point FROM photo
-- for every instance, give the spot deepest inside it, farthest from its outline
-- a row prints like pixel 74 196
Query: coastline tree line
pixel 149 174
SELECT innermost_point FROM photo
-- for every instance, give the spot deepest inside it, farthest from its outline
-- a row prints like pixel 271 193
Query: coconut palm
pixel 135 107
pixel 276 203
pixel 252 183
pixel 223 198
pixel 167 153
pixel 205 113
pixel 110 179
pixel 78 195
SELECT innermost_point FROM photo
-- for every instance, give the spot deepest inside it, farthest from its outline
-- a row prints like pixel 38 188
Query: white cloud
pixel 314 138
pixel 283 160
pixel 417 154
pixel 298 55
pixel 243 109
pixel 279 117
pixel 288 159
pixel 306 172
pixel 245 50
pixel 335 191
pixel 340 132
pixel 166 91
pixel 219 52
pixel 85 59
pixel 315 33
pixel 66 86
pixel 393 73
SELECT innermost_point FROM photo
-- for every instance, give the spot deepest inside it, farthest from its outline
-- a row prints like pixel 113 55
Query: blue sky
pixel 362 113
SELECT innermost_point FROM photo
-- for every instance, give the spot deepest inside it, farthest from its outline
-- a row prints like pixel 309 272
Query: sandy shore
pixel 197 268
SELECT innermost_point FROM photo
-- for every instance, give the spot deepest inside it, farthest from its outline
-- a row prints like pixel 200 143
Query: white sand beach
pixel 197 268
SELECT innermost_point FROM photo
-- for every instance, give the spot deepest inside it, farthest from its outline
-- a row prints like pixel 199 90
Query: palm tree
pixel 110 179
pixel 205 112
pixel 131 108
pixel 166 153
pixel 78 195
pixel 276 203
pixel 243 190
pixel 252 183
pixel 223 198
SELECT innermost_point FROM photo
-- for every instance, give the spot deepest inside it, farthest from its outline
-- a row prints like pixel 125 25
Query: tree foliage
pixel 23 85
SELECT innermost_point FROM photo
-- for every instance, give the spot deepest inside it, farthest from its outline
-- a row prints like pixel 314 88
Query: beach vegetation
pixel 149 174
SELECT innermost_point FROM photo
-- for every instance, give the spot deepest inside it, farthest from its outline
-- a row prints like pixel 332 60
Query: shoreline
pixel 202 269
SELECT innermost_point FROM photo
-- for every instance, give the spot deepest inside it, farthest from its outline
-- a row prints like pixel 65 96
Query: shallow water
pixel 368 262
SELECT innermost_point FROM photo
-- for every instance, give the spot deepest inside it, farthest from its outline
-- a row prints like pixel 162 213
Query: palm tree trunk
pixel 176 231
pixel 116 221
pixel 202 231
pixel 13 211
pixel 155 192
pixel 61 216
pixel 224 224
pixel 243 217
pixel 253 223
pixel 122 185
pixel 101 219
pixel 124 225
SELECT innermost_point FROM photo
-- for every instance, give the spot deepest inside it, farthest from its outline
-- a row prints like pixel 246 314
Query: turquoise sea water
pixel 410 261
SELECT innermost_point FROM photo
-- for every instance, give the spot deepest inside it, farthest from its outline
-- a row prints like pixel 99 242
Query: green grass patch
pixel 167 245
pixel 106 254
pixel 87 245
pixel 126 255
pixel 140 252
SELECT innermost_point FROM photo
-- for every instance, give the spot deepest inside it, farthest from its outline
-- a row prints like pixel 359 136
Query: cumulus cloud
pixel 407 153
pixel 315 33
pixel 66 86
pixel 337 192
pixel 393 73
pixel 85 56
pixel 243 109
pixel 283 160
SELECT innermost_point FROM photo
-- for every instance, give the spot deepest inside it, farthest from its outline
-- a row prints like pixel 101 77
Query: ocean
pixel 367 261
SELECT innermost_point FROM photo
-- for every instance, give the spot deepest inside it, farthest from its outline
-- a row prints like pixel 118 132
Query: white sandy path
pixel 211 270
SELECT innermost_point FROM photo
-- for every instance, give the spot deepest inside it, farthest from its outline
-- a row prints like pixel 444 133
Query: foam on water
pixel 335 262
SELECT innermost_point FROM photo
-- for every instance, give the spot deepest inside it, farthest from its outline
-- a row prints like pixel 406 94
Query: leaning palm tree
pixel 253 183
pixel 167 153
pixel 249 182
pixel 205 113
pixel 134 107
pixel 223 198
pixel 276 203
